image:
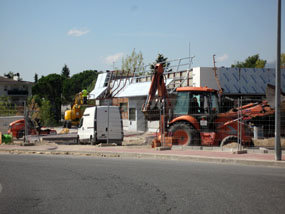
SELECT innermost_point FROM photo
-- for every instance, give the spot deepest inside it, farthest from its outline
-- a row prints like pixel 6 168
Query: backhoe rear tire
pixel 184 134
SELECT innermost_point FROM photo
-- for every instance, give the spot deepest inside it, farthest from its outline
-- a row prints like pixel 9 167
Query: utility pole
pixel 278 152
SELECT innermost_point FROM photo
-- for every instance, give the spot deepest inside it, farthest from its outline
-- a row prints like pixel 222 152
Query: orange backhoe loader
pixel 191 115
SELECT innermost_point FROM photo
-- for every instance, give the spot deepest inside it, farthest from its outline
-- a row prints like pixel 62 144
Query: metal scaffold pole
pixel 278 152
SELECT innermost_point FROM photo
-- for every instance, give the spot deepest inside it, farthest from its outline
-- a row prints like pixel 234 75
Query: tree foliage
pixel 36 78
pixel 6 108
pixel 50 88
pixel 162 60
pixel 282 62
pixel 65 72
pixel 133 63
pixel 250 62
pixel 78 82
pixel 47 116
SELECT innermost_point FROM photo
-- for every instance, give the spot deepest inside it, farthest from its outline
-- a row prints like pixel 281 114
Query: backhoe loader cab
pixel 195 110
pixel 195 101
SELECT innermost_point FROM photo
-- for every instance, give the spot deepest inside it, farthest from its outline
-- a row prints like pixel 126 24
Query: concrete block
pixel 106 144
pixel 240 152
pixel 163 148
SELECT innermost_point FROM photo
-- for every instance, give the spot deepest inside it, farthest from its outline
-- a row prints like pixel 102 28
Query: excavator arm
pixel 160 113
pixel 157 85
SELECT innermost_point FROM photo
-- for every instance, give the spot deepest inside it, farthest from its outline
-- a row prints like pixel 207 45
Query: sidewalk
pixel 176 153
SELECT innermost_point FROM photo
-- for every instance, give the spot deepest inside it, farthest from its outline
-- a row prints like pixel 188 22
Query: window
pixel 182 103
pixel 215 103
pixel 132 114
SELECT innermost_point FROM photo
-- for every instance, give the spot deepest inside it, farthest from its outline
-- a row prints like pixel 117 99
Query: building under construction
pixel 129 91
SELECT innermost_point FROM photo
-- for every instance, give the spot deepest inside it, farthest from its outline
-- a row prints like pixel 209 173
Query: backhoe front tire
pixel 184 134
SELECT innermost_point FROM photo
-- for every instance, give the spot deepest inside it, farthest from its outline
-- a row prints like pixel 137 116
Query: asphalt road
pixel 66 184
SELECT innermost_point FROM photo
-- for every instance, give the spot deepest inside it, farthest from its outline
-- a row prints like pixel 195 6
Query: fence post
pixel 26 122
pixel 278 152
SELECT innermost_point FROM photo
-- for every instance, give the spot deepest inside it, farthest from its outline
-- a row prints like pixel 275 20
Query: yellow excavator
pixel 72 116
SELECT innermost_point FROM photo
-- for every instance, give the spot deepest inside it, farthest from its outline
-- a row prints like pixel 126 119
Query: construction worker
pixel 84 95
pixel 194 105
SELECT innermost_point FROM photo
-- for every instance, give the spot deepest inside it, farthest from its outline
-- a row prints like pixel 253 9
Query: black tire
pixel 77 141
pixel 251 144
pixel 20 134
pixel 69 124
pixel 229 139
pixel 119 143
pixel 91 141
pixel 184 134
pixel 64 124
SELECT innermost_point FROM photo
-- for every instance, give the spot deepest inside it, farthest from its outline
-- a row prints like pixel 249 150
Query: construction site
pixel 168 105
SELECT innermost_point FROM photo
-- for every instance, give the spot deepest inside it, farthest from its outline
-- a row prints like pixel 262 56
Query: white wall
pixel 204 76
pixel 139 124
pixel 152 126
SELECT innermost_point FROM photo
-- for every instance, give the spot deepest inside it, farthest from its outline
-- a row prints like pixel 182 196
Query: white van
pixel 95 127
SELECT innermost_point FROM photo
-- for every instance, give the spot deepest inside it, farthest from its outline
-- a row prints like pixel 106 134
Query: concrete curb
pixel 248 162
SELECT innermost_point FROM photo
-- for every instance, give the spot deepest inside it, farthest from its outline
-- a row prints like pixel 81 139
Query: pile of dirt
pixel 268 142
pixel 143 139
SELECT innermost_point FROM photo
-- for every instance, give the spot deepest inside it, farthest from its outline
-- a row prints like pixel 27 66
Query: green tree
pixel 282 63
pixel 6 108
pixel 65 72
pixel 50 88
pixel 250 62
pixel 160 59
pixel 36 78
pixel 78 82
pixel 133 63
pixel 46 113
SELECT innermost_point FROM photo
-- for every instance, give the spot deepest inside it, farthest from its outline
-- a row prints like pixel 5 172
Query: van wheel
pixel 91 140
pixel 77 141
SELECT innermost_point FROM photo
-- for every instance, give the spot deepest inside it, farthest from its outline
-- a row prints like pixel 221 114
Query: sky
pixel 38 36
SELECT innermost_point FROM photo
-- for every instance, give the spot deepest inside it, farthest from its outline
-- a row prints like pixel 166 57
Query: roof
pixel 11 81
pixel 205 89
pixel 100 86
pixel 137 89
